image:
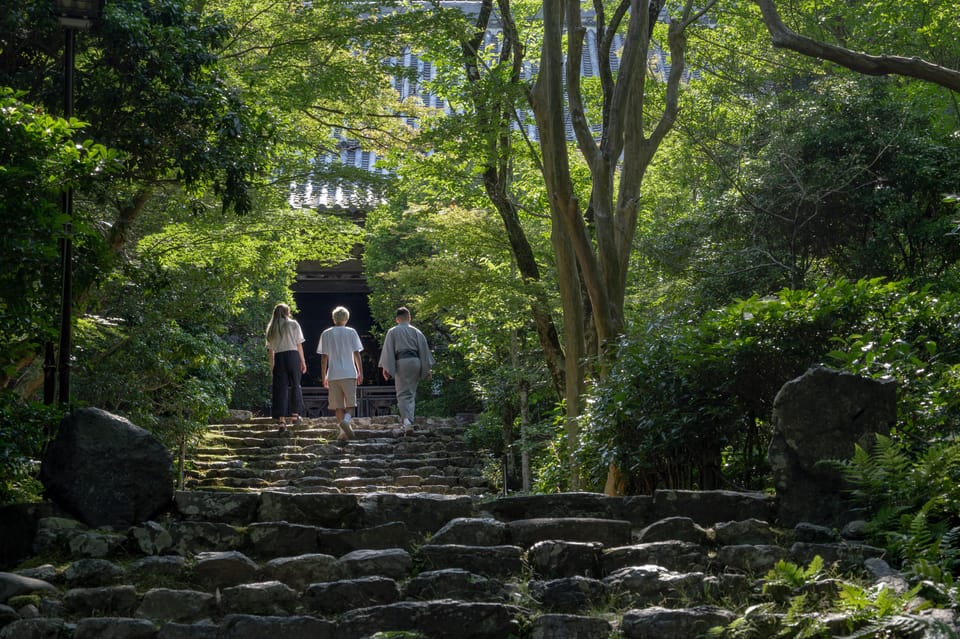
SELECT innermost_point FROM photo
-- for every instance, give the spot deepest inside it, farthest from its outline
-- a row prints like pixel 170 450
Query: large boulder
pixel 817 417
pixel 107 471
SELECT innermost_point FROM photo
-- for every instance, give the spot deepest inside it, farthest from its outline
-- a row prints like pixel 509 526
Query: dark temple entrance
pixel 318 290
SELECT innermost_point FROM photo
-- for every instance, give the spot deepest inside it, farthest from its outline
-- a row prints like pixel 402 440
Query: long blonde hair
pixel 278 323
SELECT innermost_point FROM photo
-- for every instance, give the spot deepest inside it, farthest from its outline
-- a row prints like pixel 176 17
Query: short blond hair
pixel 340 315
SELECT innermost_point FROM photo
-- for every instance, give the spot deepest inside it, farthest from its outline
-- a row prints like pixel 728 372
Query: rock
pixel 490 561
pixel 749 531
pixel 106 600
pixel 804 531
pixel 394 562
pixel 258 627
pixel 442 618
pixel 422 512
pixel 847 556
pixel 224 507
pixel 673 528
pixel 331 510
pixel 569 594
pixel 472 531
pixel 665 623
pixel 106 470
pixel 682 556
pixel 751 559
pixel 192 537
pixel 114 628
pixel 653 584
pixel 856 530
pixel 189 631
pixel 7 615
pixel 282 539
pixel 558 626
pixel 595 505
pixel 393 534
pixel 300 571
pixel 456 583
pixel 96 544
pixel 151 538
pixel 152 568
pixel 34 629
pixel 13 585
pixel 165 604
pixel 226 568
pixel 555 559
pixel 264 598
pixel 44 572
pixel 707 507
pixel 92 572
pixel 821 416
pixel 18 529
pixel 339 596
pixel 609 532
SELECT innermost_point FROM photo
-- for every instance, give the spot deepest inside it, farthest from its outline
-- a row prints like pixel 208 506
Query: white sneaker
pixel 345 426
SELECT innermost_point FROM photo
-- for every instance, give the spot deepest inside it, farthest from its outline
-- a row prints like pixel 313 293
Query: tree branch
pixel 783 38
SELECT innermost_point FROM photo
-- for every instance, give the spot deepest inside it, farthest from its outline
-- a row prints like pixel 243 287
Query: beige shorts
pixel 342 393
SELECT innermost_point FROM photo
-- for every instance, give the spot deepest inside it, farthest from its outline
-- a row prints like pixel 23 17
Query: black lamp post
pixel 73 15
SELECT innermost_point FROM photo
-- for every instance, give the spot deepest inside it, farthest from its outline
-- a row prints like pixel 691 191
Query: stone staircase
pixel 293 536
pixel 307 458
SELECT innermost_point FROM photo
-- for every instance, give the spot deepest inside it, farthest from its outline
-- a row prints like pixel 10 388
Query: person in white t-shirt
pixel 287 365
pixel 341 369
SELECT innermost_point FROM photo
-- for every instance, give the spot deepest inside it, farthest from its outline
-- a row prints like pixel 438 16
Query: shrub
pixel 24 429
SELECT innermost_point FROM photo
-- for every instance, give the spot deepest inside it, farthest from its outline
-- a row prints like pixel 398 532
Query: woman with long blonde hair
pixel 287 364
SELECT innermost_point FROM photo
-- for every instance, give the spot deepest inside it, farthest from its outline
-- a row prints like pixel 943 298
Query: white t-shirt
pixel 339 343
pixel 290 336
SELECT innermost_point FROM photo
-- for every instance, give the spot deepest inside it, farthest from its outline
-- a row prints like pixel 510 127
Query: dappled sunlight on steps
pixel 296 536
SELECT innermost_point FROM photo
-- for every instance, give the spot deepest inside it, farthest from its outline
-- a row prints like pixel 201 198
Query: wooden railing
pixel 372 401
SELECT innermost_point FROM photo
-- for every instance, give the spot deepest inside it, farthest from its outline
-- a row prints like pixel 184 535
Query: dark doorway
pixel 314 315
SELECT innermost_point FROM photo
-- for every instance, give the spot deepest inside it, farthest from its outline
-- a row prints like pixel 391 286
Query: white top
pixel 290 337
pixel 339 343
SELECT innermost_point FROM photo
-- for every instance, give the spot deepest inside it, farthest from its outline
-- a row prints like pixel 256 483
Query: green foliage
pixel 24 429
pixel 913 494
pixel 37 157
pixel 785 573
pixel 685 397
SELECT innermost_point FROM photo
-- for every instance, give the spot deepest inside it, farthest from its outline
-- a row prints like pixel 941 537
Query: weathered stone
pixel 673 528
pixel 258 627
pixel 559 626
pixel 92 572
pixel 339 596
pixel 820 416
pixel 34 629
pixel 153 568
pixel 393 534
pixel 106 470
pixel 12 585
pixel 111 600
pixel 7 615
pixel 590 505
pixel 651 584
pixel 609 532
pixel 227 507
pixel 422 512
pixel 192 537
pixel 814 534
pixel 752 559
pixel 666 623
pixel 707 507
pixel 43 572
pixel 227 568
pixel 114 628
pixel 151 538
pixel 282 539
pixel 165 604
pixel 189 631
pixel 748 531
pixel 555 559
pixel 673 555
pixel 443 618
pixel 330 510
pixel 569 594
pixel 456 583
pixel 95 544
pixel 856 530
pixel 472 531
pixel 300 571
pixel 391 562
pixel 263 598
pixel 846 556
pixel 490 561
